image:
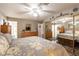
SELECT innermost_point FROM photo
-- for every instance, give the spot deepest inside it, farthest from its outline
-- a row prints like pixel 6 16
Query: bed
pixel 30 46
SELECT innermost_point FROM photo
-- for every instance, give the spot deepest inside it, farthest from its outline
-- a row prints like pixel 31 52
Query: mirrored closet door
pixel 76 35
pixel 64 32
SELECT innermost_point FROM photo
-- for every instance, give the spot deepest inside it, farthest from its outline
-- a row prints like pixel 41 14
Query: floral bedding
pixel 30 46
pixel 4 45
pixel 35 46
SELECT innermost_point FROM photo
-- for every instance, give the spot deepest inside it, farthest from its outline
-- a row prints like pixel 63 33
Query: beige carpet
pixel 70 51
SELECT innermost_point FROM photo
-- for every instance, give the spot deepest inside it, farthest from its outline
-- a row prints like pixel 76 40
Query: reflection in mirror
pixel 76 24
pixel 62 29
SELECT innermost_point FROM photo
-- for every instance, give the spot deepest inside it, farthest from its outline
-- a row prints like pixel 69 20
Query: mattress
pixel 35 46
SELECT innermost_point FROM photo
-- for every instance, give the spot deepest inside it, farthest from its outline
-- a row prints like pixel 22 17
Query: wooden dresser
pixel 67 42
pixel 5 28
pixel 48 35
pixel 28 34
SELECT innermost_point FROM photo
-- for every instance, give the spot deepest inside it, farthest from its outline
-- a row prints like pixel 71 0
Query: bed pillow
pixel 4 45
pixel 14 51
pixel 8 37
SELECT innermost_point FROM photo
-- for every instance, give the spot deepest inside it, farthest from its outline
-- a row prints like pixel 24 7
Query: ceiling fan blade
pixel 49 11
pixel 25 4
pixel 23 12
pixel 40 4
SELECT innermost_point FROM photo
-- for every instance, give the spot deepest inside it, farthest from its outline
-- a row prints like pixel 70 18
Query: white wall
pixel 22 24
pixel 2 16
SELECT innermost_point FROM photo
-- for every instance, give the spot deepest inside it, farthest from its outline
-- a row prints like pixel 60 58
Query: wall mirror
pixel 66 31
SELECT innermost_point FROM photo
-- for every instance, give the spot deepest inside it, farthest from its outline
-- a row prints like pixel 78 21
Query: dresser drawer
pixel 27 34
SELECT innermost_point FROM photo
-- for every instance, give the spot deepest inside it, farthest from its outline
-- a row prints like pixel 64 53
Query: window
pixel 1 21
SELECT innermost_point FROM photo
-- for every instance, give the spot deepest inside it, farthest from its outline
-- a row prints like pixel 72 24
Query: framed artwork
pixel 28 27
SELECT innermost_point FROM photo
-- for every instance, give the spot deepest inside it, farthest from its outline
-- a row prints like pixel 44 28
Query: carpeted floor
pixel 70 51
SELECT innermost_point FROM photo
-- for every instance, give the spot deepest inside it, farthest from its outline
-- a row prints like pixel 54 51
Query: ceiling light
pixel 34 7
pixel 35 10
pixel 35 14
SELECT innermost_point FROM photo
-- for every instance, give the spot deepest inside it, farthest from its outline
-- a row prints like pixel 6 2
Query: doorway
pixel 13 25
pixel 55 31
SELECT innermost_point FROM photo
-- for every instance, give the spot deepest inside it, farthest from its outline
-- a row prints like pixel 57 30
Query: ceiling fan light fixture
pixel 35 10
pixel 35 14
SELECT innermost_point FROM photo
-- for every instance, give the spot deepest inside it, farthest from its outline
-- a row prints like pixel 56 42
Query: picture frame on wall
pixel 28 27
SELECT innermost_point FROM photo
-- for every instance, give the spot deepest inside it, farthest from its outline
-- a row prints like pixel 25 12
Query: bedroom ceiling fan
pixel 35 9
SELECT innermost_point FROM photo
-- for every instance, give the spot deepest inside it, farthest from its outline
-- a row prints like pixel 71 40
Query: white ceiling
pixel 22 10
